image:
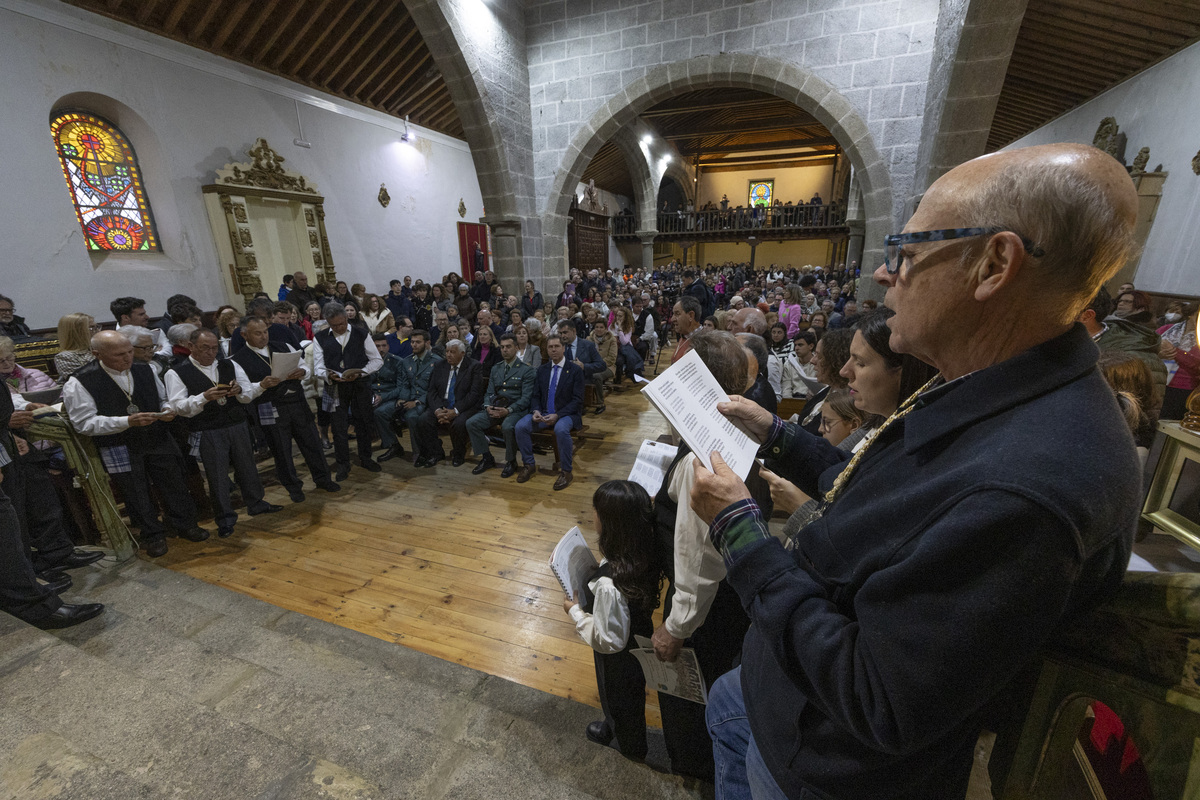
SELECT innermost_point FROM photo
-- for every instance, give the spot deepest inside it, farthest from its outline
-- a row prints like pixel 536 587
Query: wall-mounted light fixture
pixel 406 136
pixel 647 139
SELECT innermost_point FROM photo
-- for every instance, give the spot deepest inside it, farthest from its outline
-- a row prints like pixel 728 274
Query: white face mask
pixel 1173 317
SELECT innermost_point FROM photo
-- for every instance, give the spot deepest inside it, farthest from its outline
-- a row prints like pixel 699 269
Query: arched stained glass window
pixel 105 183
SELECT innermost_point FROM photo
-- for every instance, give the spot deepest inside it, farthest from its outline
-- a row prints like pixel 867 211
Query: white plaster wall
pixel 201 112
pixel 1155 109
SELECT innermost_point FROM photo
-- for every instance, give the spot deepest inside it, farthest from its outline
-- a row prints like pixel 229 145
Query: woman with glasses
pixel 75 333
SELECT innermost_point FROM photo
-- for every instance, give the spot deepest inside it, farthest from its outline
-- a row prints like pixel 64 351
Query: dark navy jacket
pixel 568 394
pixel 1000 508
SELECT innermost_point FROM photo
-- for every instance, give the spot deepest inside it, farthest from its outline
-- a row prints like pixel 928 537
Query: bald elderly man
pixel 995 506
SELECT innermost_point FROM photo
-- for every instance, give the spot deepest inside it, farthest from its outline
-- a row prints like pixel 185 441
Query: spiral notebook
pixel 572 562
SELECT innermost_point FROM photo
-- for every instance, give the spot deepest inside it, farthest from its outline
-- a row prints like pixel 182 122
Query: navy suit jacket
pixel 568 394
pixel 586 352
pixel 468 389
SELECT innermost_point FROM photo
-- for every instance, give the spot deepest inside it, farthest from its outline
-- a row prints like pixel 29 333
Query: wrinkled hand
pixel 166 415
pixel 142 419
pixel 549 419
pixel 234 389
pixel 214 393
pixel 666 646
pixel 22 446
pixel 351 375
pixel 784 493
pixel 410 404
pixel 21 419
pixel 714 491
pixel 295 375
pixel 568 604
pixel 750 416
pixel 34 406
pixel 497 413
pixel 269 382
pixel 1166 350
pixel 537 416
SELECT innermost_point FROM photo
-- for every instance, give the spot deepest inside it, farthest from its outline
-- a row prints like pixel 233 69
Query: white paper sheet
pixel 283 364
pixel 680 677
pixel 813 384
pixel 687 395
pixel 650 467
pixel 571 562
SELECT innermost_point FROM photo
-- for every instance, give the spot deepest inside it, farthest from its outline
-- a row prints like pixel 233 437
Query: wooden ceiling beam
pixel 372 57
pixel 763 146
pixel 326 31
pixel 397 86
pixel 176 14
pixel 1130 26
pixel 733 128
pixel 1072 71
pixel 299 35
pixel 252 31
pixel 202 23
pixel 231 23
pixel 363 16
pixel 146 9
pixel 1041 35
pixel 114 5
pixel 397 50
pixel 412 97
pixel 379 20
pixel 1153 14
pixel 387 81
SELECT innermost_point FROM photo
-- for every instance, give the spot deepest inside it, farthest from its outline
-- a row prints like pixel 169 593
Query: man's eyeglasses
pixel 6 310
pixel 892 256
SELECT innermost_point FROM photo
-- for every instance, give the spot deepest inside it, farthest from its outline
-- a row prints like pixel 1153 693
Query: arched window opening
pixel 105 183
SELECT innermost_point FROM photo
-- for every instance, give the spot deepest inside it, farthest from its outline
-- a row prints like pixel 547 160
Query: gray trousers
pixel 220 449
pixel 478 425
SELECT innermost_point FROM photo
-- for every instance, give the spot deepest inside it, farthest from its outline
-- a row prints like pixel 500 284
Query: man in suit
pixel 117 403
pixel 282 410
pixel 509 393
pixel 209 394
pixel 415 372
pixel 557 404
pixel 583 353
pixel 345 358
pixel 456 389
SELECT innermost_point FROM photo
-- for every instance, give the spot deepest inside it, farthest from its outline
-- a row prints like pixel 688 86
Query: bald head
pixel 749 320
pixel 113 350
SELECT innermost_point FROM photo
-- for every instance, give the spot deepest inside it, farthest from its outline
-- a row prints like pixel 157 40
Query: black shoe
pixel 390 453
pixel 599 732
pixel 157 548
pixel 67 615
pixel 342 472
pixel 370 465
pixel 225 533
pixel 419 461
pixel 485 463
pixel 457 461
pixel 431 462
pixel 269 508
pixel 196 534
pixel 510 469
pixel 600 410
pixel 296 495
pixel 56 581
pixel 328 486
pixel 80 558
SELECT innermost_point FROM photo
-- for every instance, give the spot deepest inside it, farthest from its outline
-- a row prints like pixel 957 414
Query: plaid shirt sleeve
pixel 736 528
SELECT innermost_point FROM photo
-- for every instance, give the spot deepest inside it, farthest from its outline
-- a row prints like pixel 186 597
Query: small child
pixel 621 595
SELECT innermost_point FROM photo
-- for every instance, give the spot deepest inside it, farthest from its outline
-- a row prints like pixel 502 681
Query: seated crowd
pixel 922 566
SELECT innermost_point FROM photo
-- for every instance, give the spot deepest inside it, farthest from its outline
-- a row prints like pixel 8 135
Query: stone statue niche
pixel 1110 139
pixel 267 221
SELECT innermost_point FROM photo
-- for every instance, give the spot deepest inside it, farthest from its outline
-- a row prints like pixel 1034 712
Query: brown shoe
pixel 526 472
pixel 564 480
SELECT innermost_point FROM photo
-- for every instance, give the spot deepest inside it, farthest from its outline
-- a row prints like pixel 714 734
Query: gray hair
pixel 135 333
pixel 181 333
pixel 456 344
pixel 755 344
pixel 533 324
pixel 332 311
pixel 6 344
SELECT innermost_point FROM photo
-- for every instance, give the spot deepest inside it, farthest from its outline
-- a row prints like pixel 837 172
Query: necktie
pixel 450 390
pixel 553 386
pixel 570 352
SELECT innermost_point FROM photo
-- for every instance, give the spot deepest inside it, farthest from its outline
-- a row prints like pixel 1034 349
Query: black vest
pixel 111 401
pixel 213 415
pixel 339 359
pixel 257 369
pixel 641 622
pixel 665 510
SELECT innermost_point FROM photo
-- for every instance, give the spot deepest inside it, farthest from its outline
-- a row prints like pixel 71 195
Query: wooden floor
pixel 440 560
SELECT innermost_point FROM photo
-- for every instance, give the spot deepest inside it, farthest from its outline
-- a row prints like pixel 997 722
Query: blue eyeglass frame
pixel 944 235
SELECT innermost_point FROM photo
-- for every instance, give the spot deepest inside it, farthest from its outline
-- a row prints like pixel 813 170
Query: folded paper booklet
pixel 650 467
pixel 687 395
pixel 282 364
pixel 813 384
pixel 680 677
pixel 572 562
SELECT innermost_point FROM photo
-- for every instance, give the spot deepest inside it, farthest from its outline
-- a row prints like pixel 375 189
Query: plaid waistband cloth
pixel 267 414
pixel 5 458
pixel 116 459
pixel 194 445
pixel 329 399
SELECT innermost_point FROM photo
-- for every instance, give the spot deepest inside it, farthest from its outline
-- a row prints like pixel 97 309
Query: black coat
pixel 469 389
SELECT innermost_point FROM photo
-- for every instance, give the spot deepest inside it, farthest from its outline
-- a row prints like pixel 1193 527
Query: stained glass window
pixel 762 192
pixel 105 183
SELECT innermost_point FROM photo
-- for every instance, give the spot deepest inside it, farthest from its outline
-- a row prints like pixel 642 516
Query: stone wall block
pixel 678 50
pixel 687 27
pixel 605 43
pixel 978 78
pixel 969 113
pixel 869 74
pixel 837 21
pixel 723 20
pixel 707 45
pixel 769 34
pixel 738 41
pixel 857 47
pixel 818 52
pixel 980 42
pixel 661 31
pixel 633 37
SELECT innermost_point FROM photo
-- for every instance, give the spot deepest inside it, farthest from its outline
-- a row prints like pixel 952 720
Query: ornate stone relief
pixel 1140 161
pixel 313 242
pixel 265 172
pixel 309 220
pixel 1196 163
pixel 239 213
pixel 384 197
pixel 1107 137
pixel 244 233
pixel 462 208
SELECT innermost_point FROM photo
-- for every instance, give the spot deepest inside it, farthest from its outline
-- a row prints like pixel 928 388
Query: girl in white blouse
pixel 620 598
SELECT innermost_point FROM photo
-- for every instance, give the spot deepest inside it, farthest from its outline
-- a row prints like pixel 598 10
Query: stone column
pixel 753 242
pixel 507 253
pixel 854 251
pixel 647 238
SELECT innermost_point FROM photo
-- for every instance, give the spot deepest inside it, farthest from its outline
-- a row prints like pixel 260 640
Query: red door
pixel 473 249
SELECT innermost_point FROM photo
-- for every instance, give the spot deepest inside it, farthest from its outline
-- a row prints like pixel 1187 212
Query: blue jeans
pixel 562 432
pixel 741 773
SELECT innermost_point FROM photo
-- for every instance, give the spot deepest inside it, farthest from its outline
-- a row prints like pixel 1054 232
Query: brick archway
pixel 787 81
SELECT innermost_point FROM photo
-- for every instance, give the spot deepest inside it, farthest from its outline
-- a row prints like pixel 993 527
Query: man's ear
pixel 998 266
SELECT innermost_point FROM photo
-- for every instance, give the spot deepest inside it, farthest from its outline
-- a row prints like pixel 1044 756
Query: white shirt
pixel 374 360
pixel 606 629
pixel 186 405
pixel 698 565
pixel 81 406
pixel 250 391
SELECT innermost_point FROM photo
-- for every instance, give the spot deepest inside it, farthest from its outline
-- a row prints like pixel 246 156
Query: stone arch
pixel 782 79
pixel 644 186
